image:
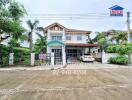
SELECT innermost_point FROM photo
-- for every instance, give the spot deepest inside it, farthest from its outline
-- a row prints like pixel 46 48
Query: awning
pixel 54 43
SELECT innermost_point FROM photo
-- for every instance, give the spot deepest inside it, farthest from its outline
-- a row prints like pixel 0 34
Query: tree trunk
pixel 31 44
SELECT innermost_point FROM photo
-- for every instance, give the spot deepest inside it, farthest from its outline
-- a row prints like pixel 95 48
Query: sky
pixel 94 23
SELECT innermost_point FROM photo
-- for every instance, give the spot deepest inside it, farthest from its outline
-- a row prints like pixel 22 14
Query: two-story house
pixel 66 43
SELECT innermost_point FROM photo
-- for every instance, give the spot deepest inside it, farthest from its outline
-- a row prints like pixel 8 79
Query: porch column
pixel 52 59
pixel 48 49
pixel 63 55
pixel 83 51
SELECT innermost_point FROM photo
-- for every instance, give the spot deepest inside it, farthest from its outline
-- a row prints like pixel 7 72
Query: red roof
pixel 81 45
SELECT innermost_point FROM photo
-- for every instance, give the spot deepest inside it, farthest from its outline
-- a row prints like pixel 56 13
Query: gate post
pixel 63 56
pixel 52 59
pixel 11 59
pixel 32 59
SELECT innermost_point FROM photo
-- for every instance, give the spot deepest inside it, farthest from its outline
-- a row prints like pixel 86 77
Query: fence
pixel 42 59
pixel 22 59
pixel 4 59
pixel 25 59
pixel 107 56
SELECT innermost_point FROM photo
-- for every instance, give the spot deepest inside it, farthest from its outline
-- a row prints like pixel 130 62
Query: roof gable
pixel 55 24
pixel 61 27
pixel 116 7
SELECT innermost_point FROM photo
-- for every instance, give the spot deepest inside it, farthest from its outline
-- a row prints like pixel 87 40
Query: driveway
pixel 67 84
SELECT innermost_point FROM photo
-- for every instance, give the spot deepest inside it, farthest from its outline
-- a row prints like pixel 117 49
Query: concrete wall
pixel 107 56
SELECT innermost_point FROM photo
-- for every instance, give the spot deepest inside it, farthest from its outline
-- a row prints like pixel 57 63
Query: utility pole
pixel 128 29
pixel 128 26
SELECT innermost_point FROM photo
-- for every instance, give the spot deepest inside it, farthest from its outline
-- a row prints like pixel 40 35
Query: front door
pixel 57 56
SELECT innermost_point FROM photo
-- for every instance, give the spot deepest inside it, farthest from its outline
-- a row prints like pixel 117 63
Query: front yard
pixel 90 84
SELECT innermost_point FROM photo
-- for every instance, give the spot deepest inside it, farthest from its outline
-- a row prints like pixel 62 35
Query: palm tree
pixel 41 44
pixel 33 27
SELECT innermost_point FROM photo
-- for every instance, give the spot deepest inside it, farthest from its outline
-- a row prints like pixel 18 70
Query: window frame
pixel 79 37
pixel 68 37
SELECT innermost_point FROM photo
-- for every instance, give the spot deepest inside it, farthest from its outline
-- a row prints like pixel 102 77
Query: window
pixel 79 37
pixel 56 38
pixel 68 37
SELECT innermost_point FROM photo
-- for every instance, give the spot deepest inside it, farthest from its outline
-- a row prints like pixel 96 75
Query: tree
pixel 10 24
pixel 33 28
pixel 100 39
pixel 41 44
pixel 119 36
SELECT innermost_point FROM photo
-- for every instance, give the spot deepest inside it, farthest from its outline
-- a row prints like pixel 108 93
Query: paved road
pixel 90 84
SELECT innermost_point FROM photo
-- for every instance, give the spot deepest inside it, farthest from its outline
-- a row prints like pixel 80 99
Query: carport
pixel 74 50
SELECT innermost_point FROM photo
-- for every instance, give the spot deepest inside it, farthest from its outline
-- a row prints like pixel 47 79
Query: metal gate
pixel 22 59
pixel 4 59
pixel 57 56
pixel 42 59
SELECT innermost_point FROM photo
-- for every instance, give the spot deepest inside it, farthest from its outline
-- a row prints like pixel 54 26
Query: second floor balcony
pixel 56 38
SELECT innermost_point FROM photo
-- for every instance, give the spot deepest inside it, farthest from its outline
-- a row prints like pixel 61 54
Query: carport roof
pixel 81 45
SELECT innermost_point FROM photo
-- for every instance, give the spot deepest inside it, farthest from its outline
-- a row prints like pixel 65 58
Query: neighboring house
pixel 109 34
pixel 66 43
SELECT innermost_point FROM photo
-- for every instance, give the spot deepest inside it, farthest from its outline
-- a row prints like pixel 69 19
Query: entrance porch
pixel 58 49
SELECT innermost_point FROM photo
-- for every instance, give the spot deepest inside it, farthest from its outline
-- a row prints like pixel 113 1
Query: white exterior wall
pixel 107 56
pixel 74 38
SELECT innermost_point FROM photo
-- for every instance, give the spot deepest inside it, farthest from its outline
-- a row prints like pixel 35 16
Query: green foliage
pixel 16 10
pixel 6 49
pixel 101 40
pixel 122 60
pixel 119 36
pixel 5 60
pixel 41 44
pixel 21 55
pixel 121 49
pixel 10 24
pixel 14 43
pixel 22 58
pixel 39 62
pixel 33 27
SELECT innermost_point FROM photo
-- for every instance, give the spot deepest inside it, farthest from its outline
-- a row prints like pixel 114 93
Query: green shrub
pixel 121 49
pixel 21 55
pixel 26 62
pixel 121 60
pixel 5 60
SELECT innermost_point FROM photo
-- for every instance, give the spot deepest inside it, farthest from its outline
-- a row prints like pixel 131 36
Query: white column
pixel 63 36
pixel 48 36
pixel 52 59
pixel 63 55
pixel 11 58
pixel 32 59
pixel 48 49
